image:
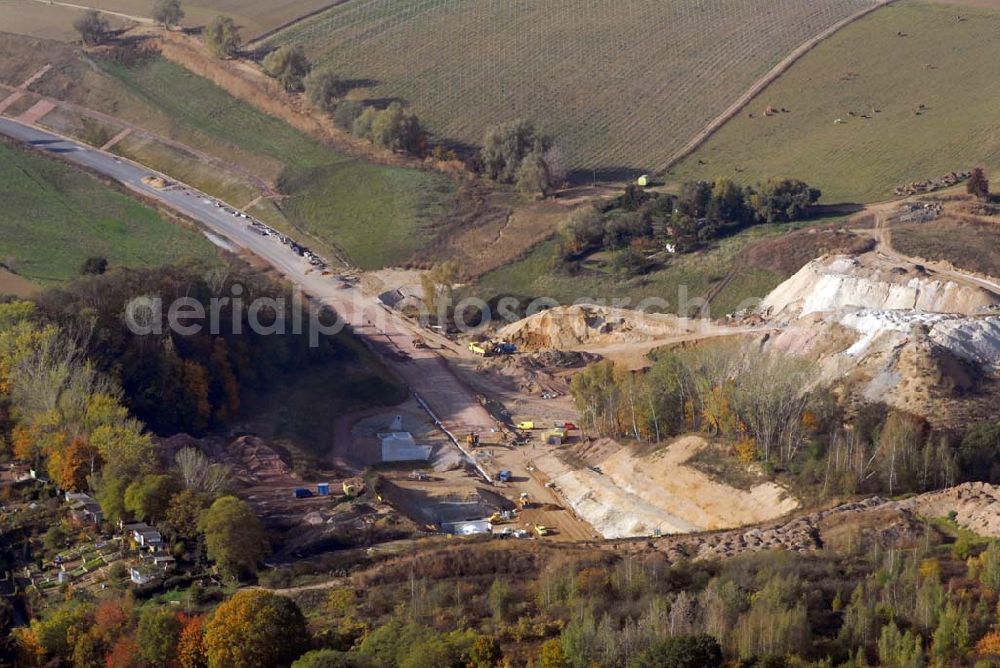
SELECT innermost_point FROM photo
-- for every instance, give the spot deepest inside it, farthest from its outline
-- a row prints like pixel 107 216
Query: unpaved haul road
pixel 883 237
pixel 425 372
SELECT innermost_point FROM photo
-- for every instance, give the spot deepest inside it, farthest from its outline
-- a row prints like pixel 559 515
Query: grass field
pixel 54 217
pixel 685 277
pixel 376 214
pixel 947 65
pixel 622 85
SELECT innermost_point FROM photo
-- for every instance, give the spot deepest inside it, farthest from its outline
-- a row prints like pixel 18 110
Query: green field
pixel 947 65
pixel 378 215
pixel 54 217
pixel 621 84
pixel 683 277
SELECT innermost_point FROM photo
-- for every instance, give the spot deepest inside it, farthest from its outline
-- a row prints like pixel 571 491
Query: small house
pixel 84 509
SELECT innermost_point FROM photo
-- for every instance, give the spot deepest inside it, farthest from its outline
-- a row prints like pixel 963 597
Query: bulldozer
pixel 472 440
pixel 524 501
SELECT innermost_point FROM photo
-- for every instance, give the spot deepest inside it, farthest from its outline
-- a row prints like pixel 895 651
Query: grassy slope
pixel 54 217
pixel 621 84
pixel 376 214
pixel 969 246
pixel 693 275
pixel 863 160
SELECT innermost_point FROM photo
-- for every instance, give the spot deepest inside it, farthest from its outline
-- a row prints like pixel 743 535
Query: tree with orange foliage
pixel 70 466
pixel 191 646
pixel 255 628
pixel 989 645
pixel 126 653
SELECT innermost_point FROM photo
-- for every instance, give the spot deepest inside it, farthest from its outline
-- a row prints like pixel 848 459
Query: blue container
pixel 323 489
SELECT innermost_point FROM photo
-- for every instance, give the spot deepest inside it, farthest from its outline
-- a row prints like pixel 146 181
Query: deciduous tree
pixel 234 537
pixel 255 628
pixel 167 12
pixel 223 37
pixel 92 26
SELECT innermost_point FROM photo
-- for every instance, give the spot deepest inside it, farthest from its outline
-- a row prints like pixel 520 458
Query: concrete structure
pixel 399 446
pixel 467 528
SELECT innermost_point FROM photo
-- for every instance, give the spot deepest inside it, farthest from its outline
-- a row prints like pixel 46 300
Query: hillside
pixel 903 81
pixel 621 85
pixel 55 217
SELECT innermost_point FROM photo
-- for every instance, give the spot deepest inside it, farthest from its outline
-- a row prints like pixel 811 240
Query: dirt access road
pixel 883 239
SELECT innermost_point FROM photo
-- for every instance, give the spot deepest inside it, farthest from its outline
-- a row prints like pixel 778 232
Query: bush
pixel 681 652
pixel 323 89
pixel 289 65
pixel 93 27
pixel 223 37
pixel 167 12
pixel 346 112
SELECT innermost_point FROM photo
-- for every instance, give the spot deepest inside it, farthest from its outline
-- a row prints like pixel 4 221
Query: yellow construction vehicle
pixel 478 348
pixel 541 530
pixel 472 440
pixel 527 424
pixel 524 501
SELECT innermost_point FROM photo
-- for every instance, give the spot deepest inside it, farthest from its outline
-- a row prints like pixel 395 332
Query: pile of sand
pixel 565 327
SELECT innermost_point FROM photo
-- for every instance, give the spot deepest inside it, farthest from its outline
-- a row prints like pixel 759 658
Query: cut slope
pixel 623 85
pixel 893 61
pixel 865 282
pixel 624 494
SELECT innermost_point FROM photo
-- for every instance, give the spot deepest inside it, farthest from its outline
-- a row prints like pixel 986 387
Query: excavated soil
pixel 625 493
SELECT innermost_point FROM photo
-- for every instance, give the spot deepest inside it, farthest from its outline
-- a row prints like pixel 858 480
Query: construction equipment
pixel 527 424
pixel 301 493
pixel 472 440
pixel 524 501
pixel 500 517
pixel 419 344
pixel 555 437
pixel 503 476
pixel 478 348
pixel 541 530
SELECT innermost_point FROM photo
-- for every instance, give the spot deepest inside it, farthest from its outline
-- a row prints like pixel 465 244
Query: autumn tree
pixel 223 37
pixel 72 465
pixel 255 628
pixel 92 26
pixel 167 13
pixel 191 644
pixel 234 537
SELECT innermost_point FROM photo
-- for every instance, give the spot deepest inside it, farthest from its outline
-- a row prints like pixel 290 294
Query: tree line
pixel 641 220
